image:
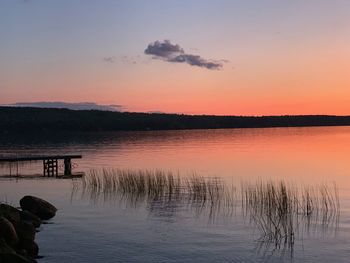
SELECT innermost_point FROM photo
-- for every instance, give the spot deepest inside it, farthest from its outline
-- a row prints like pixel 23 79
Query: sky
pixel 223 57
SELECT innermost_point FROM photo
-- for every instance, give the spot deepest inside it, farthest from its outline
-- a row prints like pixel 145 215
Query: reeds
pixel 278 209
pixel 12 169
pixel 155 185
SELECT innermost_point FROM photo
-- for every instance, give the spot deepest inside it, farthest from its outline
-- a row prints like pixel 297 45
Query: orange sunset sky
pixel 197 57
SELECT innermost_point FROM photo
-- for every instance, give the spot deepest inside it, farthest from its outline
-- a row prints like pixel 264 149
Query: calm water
pixel 90 230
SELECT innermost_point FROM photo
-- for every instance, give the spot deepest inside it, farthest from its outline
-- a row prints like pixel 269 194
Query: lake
pixel 98 229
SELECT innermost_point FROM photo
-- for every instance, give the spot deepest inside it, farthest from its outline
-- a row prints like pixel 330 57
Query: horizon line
pixel 175 113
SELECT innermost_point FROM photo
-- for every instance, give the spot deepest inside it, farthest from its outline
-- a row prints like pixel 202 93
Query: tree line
pixel 23 119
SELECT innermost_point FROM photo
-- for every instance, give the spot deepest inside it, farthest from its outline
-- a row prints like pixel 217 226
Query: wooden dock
pixel 50 162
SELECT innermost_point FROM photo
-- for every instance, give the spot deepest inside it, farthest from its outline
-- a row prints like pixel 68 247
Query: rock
pixel 8 255
pixel 26 235
pixel 10 213
pixel 8 232
pixel 32 249
pixel 5 248
pixel 30 217
pixel 21 251
pixel 15 258
pixel 39 207
pixel 25 232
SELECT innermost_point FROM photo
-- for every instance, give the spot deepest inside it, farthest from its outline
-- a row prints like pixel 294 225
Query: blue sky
pixel 55 50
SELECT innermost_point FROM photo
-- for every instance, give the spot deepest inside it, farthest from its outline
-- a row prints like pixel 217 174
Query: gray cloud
pixel 122 59
pixel 195 60
pixel 111 59
pixel 225 60
pixel 174 53
pixel 163 49
pixel 129 59
pixel 71 106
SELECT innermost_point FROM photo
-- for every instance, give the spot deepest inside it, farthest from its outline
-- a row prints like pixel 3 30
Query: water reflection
pixel 303 156
pixel 282 212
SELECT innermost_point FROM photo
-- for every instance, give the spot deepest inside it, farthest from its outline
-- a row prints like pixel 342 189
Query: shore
pixel 18 228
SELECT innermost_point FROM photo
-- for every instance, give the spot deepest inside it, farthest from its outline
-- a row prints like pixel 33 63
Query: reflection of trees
pixel 282 212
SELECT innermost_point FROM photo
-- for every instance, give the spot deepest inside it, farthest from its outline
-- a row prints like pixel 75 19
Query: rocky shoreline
pixel 18 228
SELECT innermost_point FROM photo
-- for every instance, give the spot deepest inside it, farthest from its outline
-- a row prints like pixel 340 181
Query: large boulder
pixel 38 206
pixel 25 232
pixel 15 258
pixel 26 235
pixel 10 213
pixel 8 232
pixel 8 254
pixel 30 217
pixel 5 248
pixel 32 250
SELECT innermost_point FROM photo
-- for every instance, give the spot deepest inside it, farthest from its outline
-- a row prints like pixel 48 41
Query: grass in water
pixel 278 209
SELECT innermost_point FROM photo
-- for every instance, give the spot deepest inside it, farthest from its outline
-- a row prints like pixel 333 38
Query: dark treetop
pixel 13 119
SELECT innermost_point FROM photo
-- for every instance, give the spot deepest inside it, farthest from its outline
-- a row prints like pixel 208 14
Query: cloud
pixel 195 60
pixel 129 60
pixel 67 105
pixel 111 59
pixel 164 49
pixel 122 59
pixel 174 53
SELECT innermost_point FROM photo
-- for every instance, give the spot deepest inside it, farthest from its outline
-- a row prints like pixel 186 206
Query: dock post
pixel 50 167
pixel 50 163
pixel 67 166
pixel 44 167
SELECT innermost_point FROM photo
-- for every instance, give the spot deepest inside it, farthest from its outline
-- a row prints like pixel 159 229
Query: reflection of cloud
pixel 174 53
pixel 71 106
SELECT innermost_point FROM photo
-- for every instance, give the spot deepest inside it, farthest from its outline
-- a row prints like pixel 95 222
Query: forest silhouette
pixel 19 119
